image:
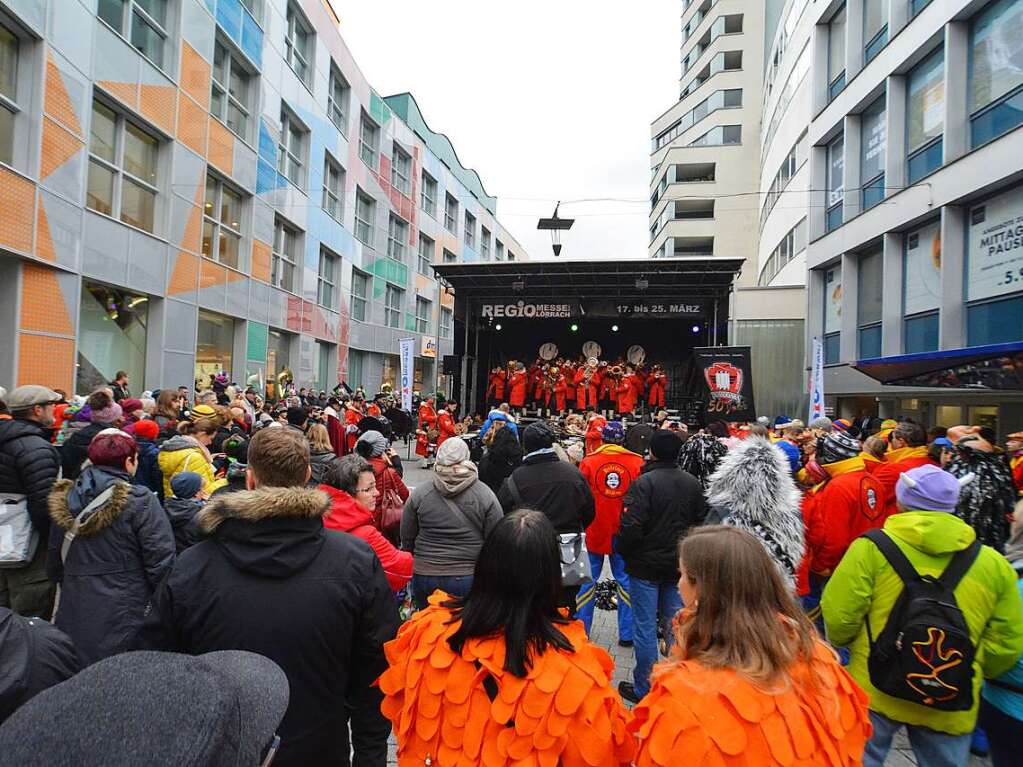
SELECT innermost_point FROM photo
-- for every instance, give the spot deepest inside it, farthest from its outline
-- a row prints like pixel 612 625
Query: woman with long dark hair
pixel 748 677
pixel 501 671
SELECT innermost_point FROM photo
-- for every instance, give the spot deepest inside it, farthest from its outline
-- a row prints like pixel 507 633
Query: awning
pixel 992 367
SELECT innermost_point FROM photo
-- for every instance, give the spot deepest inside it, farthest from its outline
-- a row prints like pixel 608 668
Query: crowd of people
pixel 257 583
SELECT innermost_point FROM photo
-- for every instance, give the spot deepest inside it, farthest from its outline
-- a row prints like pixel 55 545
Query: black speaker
pixel 452 364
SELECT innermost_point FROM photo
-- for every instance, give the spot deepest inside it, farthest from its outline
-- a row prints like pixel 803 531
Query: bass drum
pixel 637 438
pixel 636 354
pixel 591 349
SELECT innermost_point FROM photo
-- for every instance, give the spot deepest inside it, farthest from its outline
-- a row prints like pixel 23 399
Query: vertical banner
pixel 407 363
pixel 817 380
pixel 727 372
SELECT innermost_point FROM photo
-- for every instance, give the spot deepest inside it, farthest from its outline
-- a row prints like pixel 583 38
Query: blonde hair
pixel 495 426
pixel 319 438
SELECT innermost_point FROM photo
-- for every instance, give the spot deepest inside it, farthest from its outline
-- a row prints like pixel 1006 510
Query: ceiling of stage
pixel 624 279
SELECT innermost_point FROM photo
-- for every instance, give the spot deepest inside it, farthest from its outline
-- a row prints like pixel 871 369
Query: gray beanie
pixel 376 441
pixel 822 423
pixel 452 451
pixel 153 708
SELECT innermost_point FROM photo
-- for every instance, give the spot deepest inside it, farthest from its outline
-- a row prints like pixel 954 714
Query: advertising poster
pixel 406 362
pixel 995 247
pixel 833 300
pixel 726 371
pixel 817 381
pixel 922 279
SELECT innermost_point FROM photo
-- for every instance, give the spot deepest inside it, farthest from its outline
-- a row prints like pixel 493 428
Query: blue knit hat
pixel 613 433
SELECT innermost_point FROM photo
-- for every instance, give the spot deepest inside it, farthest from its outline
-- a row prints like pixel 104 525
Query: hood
pixel 453 480
pixel 178 442
pixel 932 532
pixel 270 531
pixel 321 456
pixel 181 510
pixel 345 512
pixel 69 497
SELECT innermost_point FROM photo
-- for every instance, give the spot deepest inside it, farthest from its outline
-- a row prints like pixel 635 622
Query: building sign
pixel 653 309
pixel 726 371
pixel 528 310
pixel 995 256
pixel 922 278
pixel 406 348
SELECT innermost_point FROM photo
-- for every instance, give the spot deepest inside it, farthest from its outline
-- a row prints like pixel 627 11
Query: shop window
pixel 875 27
pixel 360 295
pixel 356 365
pixel 215 340
pixel 111 336
pixel 995 322
pixel 326 280
pixel 333 187
pixel 298 44
pixel 836 54
pixel 389 370
pixel 393 299
pixel 222 223
pixel 925 116
pixel 123 166
pixel 292 148
pixel 337 99
pixel 835 183
pixel 873 143
pixel 920 333
pixel 427 248
pixel 996 71
pixel 230 90
pixel 9 109
pixel 278 363
pixel 142 22
pixel 948 415
pixel 285 254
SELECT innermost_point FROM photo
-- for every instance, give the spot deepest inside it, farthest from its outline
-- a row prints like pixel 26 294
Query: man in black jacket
pixel 660 507
pixel 29 465
pixel 545 483
pixel 273 581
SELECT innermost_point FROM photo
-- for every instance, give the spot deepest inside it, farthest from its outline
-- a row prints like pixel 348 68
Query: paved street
pixel 605 633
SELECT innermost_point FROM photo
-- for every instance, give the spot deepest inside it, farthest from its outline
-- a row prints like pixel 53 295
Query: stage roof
pixel 665 277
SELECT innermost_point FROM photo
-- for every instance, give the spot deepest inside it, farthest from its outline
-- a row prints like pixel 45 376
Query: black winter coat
pixel 659 508
pixel 148 473
pixel 34 655
pixel 319 464
pixel 502 458
pixel 75 450
pixel 114 564
pixel 556 488
pixel 182 513
pixel 29 465
pixel 273 581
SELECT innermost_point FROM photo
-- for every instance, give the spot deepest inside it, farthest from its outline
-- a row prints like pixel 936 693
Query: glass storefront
pixel 111 337
pixel 279 372
pixel 390 370
pixel 213 347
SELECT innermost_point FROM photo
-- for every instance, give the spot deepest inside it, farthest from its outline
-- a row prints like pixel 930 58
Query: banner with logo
pixel 406 360
pixel 727 373
pixel 817 380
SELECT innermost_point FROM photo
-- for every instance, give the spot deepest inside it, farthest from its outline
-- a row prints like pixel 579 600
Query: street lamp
pixel 555 225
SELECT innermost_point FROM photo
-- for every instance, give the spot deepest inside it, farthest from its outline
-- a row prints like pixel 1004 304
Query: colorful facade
pixel 190 186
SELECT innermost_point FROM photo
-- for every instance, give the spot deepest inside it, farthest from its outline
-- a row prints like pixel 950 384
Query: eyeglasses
pixel 271 751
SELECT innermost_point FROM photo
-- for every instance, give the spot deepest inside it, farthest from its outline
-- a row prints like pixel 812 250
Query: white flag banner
pixel 406 357
pixel 817 380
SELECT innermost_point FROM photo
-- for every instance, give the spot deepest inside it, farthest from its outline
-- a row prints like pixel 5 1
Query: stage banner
pixel 817 380
pixel 727 372
pixel 406 357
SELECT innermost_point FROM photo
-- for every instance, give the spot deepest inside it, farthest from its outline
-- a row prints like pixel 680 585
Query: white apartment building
pixel 915 215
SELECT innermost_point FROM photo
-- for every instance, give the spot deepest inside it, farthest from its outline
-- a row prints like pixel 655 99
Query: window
pixel 397 234
pixel 291 150
pixel 720 136
pixel 393 298
pixel 511 256
pixel 996 74
pixel 123 160
pixel 427 248
pixel 369 140
pixel 835 183
pixel 360 295
pixel 832 314
pixel 8 92
pixel 995 322
pixel 498 250
pixel 915 6
pixel 449 257
pixel 337 99
pixel 451 214
pixel 921 288
pixel 222 222
pixel 920 333
pixel 836 54
pixel 422 315
pixel 873 142
pixel 333 187
pixel 401 170
pixel 326 280
pixel 428 195
pixel 715 101
pixel 282 264
pixel 484 243
pixel 470 230
pixel 445 323
pixel 356 363
pixel 324 376
pixel 141 21
pixel 875 27
pixel 364 206
pixel 229 91
pixel 298 41
pixel 925 118
pixel 791 245
pixel 789 166
pixel 870 281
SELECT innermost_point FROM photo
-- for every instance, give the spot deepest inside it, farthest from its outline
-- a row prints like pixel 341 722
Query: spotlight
pixel 614 328
pixel 574 327
pixel 696 328
pixel 497 326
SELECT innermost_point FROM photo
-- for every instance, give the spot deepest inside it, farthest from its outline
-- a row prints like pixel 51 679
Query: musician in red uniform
pixel 569 371
pixel 657 382
pixel 427 423
pixel 495 391
pixel 446 422
pixel 587 385
pixel 626 391
pixel 536 383
pixel 560 390
pixel 517 386
pixel 353 414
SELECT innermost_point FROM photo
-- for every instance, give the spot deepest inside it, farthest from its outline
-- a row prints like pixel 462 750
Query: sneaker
pixel 625 643
pixel 628 692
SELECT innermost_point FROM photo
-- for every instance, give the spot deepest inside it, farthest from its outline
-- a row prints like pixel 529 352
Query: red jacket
pixel 446 426
pixel 427 417
pixel 851 502
pixel 610 469
pixel 657 382
pixel 1016 463
pixel 496 388
pixel 586 393
pixel 517 385
pixel 348 516
pixel 560 392
pixel 627 394
pixel 897 462
pixel 593 429
pixel 569 371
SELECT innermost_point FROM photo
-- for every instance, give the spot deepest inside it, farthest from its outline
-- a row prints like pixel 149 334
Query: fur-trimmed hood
pixel 263 503
pixel 753 489
pixel 68 498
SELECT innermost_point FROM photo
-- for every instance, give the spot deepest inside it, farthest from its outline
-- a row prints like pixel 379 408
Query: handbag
pixel 390 506
pixel 18 536
pixel 575 558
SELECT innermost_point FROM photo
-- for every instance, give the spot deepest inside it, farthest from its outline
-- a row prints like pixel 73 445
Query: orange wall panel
pixel 59 146
pixel 58 104
pixel 185 274
pixel 126 93
pixel 261 260
pixel 17 211
pixel 43 307
pixel 221 151
pixel 192 125
pixel 46 361
pixel 158 103
pixel 195 75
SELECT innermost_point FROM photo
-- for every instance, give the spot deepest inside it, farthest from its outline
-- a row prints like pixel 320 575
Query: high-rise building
pixel 196 186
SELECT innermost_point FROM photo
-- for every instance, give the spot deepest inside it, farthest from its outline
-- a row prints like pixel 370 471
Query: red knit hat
pixel 145 429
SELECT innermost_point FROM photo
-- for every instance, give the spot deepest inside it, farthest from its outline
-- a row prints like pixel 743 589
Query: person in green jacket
pixel 864 586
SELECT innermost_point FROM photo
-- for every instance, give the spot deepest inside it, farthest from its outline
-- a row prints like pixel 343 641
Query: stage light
pixel 575 327
pixel 614 328
pixel 696 328
pixel 497 326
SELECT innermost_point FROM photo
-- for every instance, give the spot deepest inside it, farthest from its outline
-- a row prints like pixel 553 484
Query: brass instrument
pixel 387 388
pixel 617 371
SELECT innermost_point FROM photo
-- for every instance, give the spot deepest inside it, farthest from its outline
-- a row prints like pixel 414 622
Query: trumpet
pixel 616 371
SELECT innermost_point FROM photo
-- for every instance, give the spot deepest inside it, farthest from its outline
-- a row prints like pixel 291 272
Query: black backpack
pixel 924 654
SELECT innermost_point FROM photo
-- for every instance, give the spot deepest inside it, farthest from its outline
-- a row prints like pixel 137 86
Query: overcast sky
pixel 546 99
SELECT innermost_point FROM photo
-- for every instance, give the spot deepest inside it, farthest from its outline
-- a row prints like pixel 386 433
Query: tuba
pixel 387 388
pixel 284 378
pixel 617 371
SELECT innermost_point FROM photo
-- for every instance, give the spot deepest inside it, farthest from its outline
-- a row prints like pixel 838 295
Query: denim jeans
pixel 585 600
pixel 650 601
pixel 931 748
pixel 424 585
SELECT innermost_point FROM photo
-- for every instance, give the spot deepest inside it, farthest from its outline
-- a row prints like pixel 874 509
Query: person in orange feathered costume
pixel 748 682
pixel 501 677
